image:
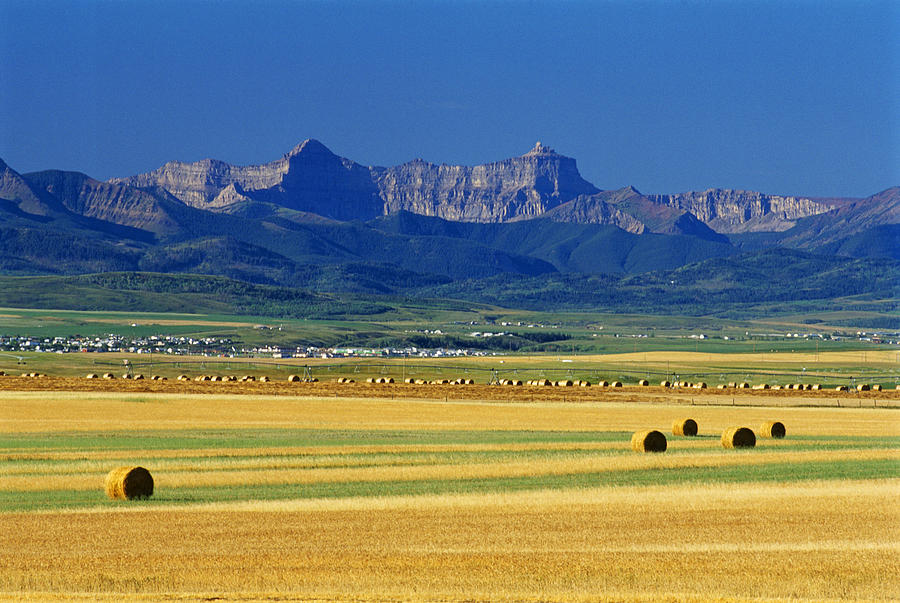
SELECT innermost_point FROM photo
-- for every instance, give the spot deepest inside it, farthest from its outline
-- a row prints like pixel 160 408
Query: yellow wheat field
pixel 815 541
pixel 836 539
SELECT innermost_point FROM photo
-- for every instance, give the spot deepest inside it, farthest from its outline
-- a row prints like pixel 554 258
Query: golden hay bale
pixel 840 388
pixel 108 376
pixel 92 376
pixel 665 384
pixel 643 383
pixel 264 379
pixel 603 383
pixel 183 378
pixel 732 384
pixel 738 437
pixel 721 386
pixel 876 387
pixel 744 385
pixel 761 386
pixel 409 380
pixel 293 378
pixel 138 377
pixel 684 427
pixel 126 376
pixel 129 483
pixel 616 384
pixel 772 429
pixel 648 440
pixel 564 383
pixel 700 385
pixel 862 387
pixel 776 386
pixel 584 383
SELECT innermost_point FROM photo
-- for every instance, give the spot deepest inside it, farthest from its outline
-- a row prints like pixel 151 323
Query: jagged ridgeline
pixel 312 219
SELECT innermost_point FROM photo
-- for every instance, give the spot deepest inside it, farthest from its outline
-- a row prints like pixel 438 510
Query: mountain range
pixel 313 219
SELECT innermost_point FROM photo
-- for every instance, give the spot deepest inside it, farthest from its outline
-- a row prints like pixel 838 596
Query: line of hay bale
pixel 684 427
pixel 738 437
pixel 772 429
pixel 648 440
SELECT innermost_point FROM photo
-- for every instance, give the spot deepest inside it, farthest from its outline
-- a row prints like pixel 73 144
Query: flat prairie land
pixel 279 496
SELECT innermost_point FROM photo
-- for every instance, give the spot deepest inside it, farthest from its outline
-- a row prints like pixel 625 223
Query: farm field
pixel 273 495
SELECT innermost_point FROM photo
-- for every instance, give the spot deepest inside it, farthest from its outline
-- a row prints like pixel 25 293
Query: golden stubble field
pixel 815 540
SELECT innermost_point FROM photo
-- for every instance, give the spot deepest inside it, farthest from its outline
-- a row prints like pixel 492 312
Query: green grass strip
pixel 781 472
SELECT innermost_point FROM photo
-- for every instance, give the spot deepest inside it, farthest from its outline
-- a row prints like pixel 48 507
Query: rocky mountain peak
pixel 540 149
pixel 309 146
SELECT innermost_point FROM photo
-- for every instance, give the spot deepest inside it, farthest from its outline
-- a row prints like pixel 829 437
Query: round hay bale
pixel 738 437
pixel 584 383
pixel 721 386
pixel 183 378
pixel 293 378
pixel 409 380
pixel 772 429
pixel 815 386
pixel 126 376
pixel 776 386
pixel 665 384
pixel 876 387
pixel 108 376
pixel 840 388
pixel 264 379
pixel 564 383
pixel 138 377
pixel 648 440
pixel 643 383
pixel 92 376
pixel 684 427
pixel 732 385
pixel 862 387
pixel 744 385
pixel 603 383
pixel 616 384
pixel 700 385
pixel 129 483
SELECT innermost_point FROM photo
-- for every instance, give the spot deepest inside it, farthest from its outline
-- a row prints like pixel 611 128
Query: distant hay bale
pixel 665 384
pixel 772 429
pixel 648 440
pixel 370 379
pixel 293 378
pixel 776 386
pixel 246 378
pixel 215 378
pixel 876 387
pixel 264 379
pixel 409 380
pixel 516 382
pixel 684 427
pixel 564 383
pixel 603 384
pixel 108 376
pixel 862 387
pixel 126 376
pixel 738 437
pixel 643 383
pixel 616 384
pixel 584 383
pixel 840 388
pixel 761 386
pixel 129 483
pixel 92 376
pixel 138 377
pixel 815 386
pixel 421 382
pixel 732 384
pixel 700 385
pixel 183 378
pixel 721 386
pixel 743 385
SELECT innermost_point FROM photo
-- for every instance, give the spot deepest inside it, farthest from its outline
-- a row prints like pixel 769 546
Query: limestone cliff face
pixel 520 187
pixel 308 178
pixel 732 211
pixel 113 203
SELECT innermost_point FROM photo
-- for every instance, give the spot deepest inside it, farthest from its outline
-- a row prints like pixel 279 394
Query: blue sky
pixel 782 97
